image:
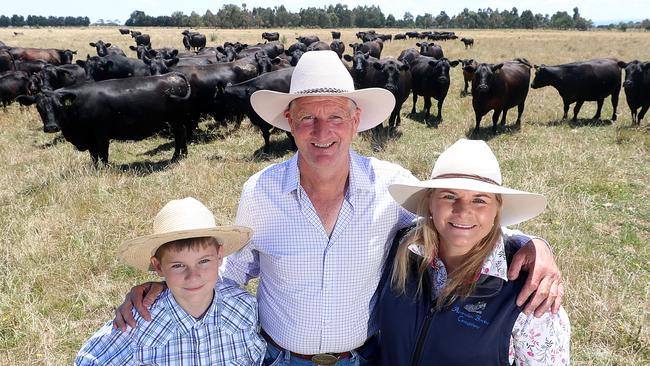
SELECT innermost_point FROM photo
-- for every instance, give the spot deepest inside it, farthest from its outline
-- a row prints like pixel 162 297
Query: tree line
pixel 335 16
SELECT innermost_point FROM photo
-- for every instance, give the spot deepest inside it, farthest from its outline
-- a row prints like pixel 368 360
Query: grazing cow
pixel 468 42
pixel 399 36
pixel 91 114
pixel 6 61
pixel 469 68
pixel 142 40
pixel 113 67
pixel 233 101
pixel 194 40
pixel 105 49
pixel 307 39
pixel 338 47
pixel 430 79
pixel 577 82
pixel 49 55
pixel 271 36
pixel 373 48
pixel 135 33
pixel 500 87
pixel 408 55
pixel 394 76
pixel 13 84
pixel 413 35
pixel 53 77
pixel 124 31
pixel 318 46
pixel 336 35
pixel 430 49
pixel 637 87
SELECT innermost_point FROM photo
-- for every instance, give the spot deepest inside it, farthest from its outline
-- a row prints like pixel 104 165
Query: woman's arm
pixel 541 341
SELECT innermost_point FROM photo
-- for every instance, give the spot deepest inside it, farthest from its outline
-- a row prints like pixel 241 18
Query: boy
pixel 193 321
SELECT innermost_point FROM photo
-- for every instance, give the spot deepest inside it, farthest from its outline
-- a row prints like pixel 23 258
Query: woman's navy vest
pixel 472 331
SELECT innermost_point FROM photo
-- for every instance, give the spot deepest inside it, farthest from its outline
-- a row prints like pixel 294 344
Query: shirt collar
pixel 494 265
pixel 184 320
pixel 359 175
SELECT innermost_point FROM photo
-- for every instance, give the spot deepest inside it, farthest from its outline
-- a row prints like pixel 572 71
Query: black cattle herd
pixel 112 96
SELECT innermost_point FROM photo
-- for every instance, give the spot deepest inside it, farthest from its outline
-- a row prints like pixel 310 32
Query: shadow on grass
pixel 485 133
pixel 419 117
pixel 55 141
pixel 580 122
pixel 277 149
pixel 143 168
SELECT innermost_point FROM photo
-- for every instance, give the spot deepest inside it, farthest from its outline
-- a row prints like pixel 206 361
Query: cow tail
pixel 189 88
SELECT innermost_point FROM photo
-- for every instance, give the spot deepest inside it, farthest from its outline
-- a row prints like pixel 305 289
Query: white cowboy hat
pixel 181 219
pixel 322 73
pixel 471 165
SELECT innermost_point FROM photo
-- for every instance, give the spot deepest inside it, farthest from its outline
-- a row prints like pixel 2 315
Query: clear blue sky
pixel 596 10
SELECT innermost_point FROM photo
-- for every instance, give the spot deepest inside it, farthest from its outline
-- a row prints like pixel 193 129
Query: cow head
pixel 360 64
pixel 390 70
pixel 484 77
pixel 263 62
pixel 440 70
pixel 543 77
pixel 52 106
pixel 338 47
pixel 294 56
pixel 636 74
pixel 66 56
pixel 102 48
pixel 159 65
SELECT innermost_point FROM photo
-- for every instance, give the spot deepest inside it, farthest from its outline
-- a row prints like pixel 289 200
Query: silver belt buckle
pixel 324 359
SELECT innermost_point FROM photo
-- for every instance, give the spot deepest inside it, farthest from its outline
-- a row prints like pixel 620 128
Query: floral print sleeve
pixel 540 341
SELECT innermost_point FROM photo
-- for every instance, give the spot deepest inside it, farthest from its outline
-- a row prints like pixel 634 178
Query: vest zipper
pixel 423 334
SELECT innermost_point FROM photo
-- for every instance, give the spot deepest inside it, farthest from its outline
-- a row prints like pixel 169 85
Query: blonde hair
pixel 460 282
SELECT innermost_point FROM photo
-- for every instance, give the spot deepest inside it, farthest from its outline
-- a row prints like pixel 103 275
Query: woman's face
pixel 461 217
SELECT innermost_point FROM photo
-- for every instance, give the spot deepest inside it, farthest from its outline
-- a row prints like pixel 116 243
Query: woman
pixel 445 298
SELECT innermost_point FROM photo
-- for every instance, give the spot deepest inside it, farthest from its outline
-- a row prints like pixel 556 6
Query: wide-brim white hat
pixel 471 165
pixel 322 73
pixel 181 219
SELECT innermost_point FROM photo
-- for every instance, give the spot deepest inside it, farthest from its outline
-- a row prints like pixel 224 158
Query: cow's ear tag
pixel 67 102
pixel 498 71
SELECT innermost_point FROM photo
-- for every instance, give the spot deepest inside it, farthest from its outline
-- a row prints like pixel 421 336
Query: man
pixel 323 223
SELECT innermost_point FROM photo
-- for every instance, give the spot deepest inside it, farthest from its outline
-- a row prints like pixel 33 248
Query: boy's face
pixel 191 275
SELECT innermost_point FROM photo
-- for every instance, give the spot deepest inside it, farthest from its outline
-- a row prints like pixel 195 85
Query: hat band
pixel 321 90
pixel 468 176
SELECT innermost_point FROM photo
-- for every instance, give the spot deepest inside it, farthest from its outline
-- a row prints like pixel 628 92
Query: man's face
pixel 191 274
pixel 323 128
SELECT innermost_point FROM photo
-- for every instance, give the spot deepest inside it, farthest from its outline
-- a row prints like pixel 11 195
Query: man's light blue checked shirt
pixel 226 335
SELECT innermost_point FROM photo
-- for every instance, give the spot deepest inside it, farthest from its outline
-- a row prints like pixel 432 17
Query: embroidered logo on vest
pixel 470 315
pixel 475 308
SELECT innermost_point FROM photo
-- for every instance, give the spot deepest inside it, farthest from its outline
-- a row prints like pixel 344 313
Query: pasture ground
pixel 61 220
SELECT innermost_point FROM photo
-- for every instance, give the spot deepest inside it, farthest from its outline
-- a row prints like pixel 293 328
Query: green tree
pixel 442 20
pixel 17 20
pixel 527 20
pixel 561 20
pixel 391 22
pixel 407 20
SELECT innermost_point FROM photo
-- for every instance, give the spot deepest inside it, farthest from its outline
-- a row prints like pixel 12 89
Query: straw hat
pixel 181 219
pixel 322 73
pixel 471 165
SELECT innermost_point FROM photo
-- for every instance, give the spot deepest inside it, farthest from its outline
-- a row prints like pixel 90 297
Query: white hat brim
pixel 517 206
pixel 376 105
pixel 137 252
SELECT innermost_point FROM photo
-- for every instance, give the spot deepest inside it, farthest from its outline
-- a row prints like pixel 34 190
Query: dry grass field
pixel 61 220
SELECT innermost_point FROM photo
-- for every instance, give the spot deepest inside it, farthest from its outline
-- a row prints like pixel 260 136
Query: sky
pixel 600 11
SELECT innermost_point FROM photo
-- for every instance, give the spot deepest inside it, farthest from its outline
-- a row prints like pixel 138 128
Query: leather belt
pixel 323 359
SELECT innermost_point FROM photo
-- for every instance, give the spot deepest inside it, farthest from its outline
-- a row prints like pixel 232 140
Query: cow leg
pixel 415 100
pixel 466 85
pixel 576 109
pixel 478 122
pixel 503 117
pixel 615 102
pixel 633 113
pixel 641 114
pixel 439 117
pixel 180 141
pixel 266 134
pixel 599 107
pixel 393 118
pixel 427 108
pixel 495 119
pixel 566 108
pixel 520 111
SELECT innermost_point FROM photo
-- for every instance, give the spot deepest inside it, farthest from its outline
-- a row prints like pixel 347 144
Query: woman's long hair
pixel 460 282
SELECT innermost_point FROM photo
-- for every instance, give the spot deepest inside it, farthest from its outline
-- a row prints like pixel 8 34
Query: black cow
pixel 394 76
pixel 124 31
pixel 336 35
pixel 13 84
pixel 338 47
pixel 194 40
pixel 430 49
pixel 30 66
pixel 430 79
pixel 468 42
pixel 53 77
pixel 500 87
pixel 6 61
pixel 413 34
pixel 408 55
pixel 113 67
pixel 318 46
pixel 577 82
pixel 142 40
pixel 362 69
pixel 105 49
pixel 273 49
pixel 295 52
pixel 373 48
pixel 233 101
pixel 399 36
pixel 135 33
pixel 91 114
pixel 271 36
pixel 637 88
pixel 469 68
pixel 307 39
